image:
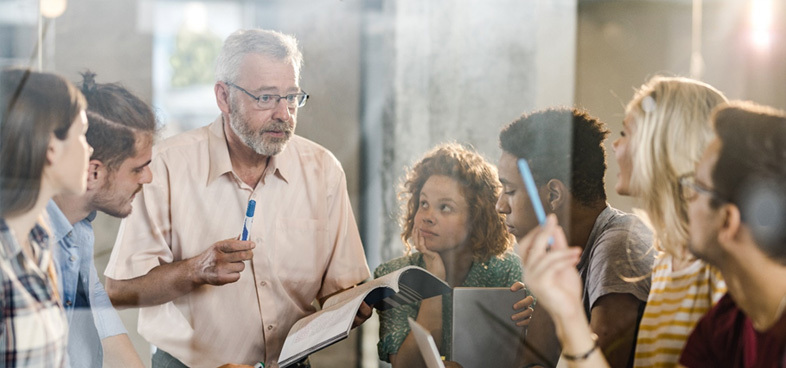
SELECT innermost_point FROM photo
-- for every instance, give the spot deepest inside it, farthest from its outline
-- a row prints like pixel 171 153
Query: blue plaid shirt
pixel 33 327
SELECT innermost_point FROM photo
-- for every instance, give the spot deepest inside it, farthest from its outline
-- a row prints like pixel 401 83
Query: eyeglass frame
pixel 689 180
pixel 277 97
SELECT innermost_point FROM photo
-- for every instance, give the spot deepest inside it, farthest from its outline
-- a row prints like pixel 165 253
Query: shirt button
pixel 68 303
pixel 263 283
pixel 70 234
pixel 269 327
pixel 73 258
pixel 258 240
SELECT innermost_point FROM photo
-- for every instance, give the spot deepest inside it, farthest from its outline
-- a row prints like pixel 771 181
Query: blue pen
pixel 248 220
pixel 252 204
pixel 532 191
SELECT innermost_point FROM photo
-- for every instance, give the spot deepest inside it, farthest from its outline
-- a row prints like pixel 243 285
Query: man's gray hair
pixel 255 41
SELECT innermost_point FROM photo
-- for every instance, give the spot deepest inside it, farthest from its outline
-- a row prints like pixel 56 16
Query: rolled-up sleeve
pixel 107 320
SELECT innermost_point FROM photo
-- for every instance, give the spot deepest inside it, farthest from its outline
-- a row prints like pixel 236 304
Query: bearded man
pixel 207 297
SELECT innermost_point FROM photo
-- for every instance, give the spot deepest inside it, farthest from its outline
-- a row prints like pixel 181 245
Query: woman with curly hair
pixel 450 218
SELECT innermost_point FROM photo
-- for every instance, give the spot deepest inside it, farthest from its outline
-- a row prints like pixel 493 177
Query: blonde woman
pixel 43 152
pixel 666 128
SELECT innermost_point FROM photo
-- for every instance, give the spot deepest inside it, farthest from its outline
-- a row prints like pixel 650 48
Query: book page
pixel 408 284
pixel 319 328
pixel 331 324
pixel 390 280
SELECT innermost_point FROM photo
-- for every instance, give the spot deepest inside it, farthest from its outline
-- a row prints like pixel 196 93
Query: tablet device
pixel 484 335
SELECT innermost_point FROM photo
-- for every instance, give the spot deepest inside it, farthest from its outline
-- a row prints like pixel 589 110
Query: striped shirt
pixel 677 300
pixel 33 327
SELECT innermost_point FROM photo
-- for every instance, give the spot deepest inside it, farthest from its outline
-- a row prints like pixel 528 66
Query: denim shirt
pixel 74 258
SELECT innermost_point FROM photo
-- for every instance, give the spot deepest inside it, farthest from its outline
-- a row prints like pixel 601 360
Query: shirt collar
pixel 218 153
pixel 9 247
pixel 597 227
pixel 220 163
pixel 280 163
pixel 60 224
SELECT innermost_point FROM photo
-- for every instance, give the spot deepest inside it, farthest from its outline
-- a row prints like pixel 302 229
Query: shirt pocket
pixel 302 252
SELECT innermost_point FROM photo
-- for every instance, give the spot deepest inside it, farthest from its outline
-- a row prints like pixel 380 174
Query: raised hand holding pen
pixel 551 272
pixel 222 263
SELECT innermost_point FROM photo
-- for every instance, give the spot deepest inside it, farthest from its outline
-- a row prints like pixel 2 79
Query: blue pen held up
pixel 248 220
pixel 532 191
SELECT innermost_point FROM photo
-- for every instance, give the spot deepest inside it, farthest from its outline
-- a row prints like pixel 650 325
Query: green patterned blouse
pixel 393 329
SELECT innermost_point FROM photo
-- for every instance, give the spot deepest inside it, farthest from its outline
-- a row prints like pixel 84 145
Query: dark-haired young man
pixel 737 212
pixel 120 130
pixel 564 148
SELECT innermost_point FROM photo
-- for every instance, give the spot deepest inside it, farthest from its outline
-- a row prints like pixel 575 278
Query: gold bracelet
pixel 580 357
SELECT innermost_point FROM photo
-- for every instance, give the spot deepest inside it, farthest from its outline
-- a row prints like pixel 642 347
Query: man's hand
pixel 222 263
pixel 364 312
pixel 523 308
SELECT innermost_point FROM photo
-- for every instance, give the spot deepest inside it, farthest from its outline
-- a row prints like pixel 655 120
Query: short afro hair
pixel 564 144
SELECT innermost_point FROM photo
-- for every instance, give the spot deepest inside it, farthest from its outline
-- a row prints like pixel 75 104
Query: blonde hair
pixel 672 128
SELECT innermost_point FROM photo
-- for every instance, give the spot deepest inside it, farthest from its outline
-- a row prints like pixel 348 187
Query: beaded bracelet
pixel 580 357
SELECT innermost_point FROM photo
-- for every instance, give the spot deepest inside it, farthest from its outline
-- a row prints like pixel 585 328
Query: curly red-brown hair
pixel 480 186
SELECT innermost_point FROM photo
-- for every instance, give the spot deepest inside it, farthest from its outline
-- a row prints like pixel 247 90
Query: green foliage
pixel 194 58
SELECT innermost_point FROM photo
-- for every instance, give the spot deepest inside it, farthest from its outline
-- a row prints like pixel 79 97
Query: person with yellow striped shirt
pixel 665 131
pixel 736 211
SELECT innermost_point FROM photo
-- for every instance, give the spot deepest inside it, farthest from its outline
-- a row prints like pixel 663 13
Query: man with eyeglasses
pixel 737 213
pixel 209 298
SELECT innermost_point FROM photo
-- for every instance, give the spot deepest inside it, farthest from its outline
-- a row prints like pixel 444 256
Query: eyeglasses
pixel 690 188
pixel 267 102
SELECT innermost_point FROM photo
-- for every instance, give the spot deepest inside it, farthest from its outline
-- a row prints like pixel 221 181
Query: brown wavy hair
pixel 480 186
pixel 116 120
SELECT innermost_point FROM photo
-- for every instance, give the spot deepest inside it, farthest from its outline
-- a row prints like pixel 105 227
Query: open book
pixel 332 324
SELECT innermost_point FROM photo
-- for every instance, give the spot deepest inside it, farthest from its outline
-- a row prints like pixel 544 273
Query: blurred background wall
pixel 390 79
